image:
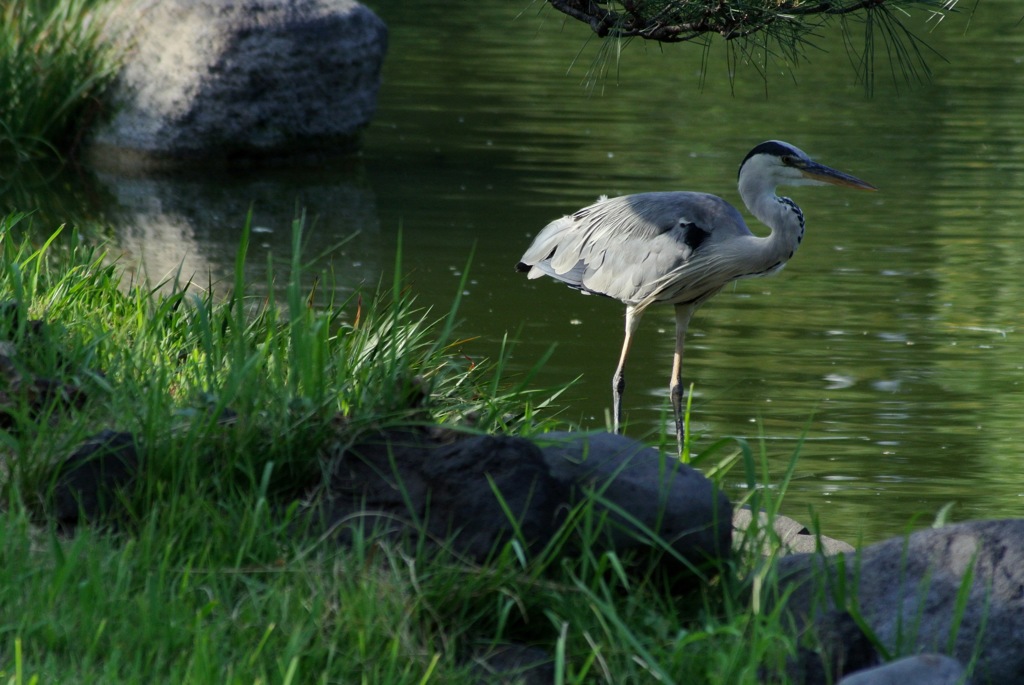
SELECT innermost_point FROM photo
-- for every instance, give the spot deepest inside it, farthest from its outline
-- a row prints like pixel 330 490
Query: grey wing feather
pixel 637 248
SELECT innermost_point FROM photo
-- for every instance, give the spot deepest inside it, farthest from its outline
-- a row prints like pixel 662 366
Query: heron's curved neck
pixel 780 214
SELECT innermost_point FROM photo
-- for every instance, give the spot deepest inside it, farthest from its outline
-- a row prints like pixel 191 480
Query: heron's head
pixel 774 163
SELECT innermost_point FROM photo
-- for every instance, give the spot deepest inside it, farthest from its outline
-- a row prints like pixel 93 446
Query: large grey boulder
pixel 90 482
pixel 959 586
pixel 223 79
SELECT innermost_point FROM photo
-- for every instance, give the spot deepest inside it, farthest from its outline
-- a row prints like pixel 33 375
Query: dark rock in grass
pixel 485 490
pixel 26 346
pixel 480 492
pixel 376 484
pixel 921 669
pixel 33 394
pixel 643 493
pixel 90 482
pixel 476 493
pixel 961 585
pixel 254 79
pixel 28 338
pixel 837 646
pixel 514 665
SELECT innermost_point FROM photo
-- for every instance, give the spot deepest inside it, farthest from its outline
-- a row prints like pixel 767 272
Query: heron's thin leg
pixel 619 379
pixel 683 314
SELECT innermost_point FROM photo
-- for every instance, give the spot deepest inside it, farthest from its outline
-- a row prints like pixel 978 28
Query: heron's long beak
pixel 823 174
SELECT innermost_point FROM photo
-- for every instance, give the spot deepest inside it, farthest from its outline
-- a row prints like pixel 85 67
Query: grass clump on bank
pixel 238 402
pixel 55 66
pixel 174 364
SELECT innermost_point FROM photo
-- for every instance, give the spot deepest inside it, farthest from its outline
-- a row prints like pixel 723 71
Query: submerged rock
pixel 209 80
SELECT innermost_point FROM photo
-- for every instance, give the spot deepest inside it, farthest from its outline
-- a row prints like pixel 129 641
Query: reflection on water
pixel 888 351
pixel 192 222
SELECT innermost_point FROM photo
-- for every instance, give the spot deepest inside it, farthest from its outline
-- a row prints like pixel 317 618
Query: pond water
pixel 888 351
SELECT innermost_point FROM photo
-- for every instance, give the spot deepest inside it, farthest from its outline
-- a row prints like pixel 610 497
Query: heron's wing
pixel 636 247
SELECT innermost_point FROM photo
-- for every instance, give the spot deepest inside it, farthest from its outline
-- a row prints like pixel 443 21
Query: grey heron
pixel 679 248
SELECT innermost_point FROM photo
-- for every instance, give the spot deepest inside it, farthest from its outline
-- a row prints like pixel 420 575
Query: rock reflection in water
pixel 190 223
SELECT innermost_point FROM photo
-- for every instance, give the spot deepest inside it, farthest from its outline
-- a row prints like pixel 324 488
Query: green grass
pixel 55 65
pixel 207 580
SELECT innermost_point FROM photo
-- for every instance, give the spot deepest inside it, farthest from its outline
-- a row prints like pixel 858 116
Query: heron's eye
pixel 789 160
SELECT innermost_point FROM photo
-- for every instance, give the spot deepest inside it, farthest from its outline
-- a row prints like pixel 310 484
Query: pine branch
pixel 677 21
pixel 786 24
